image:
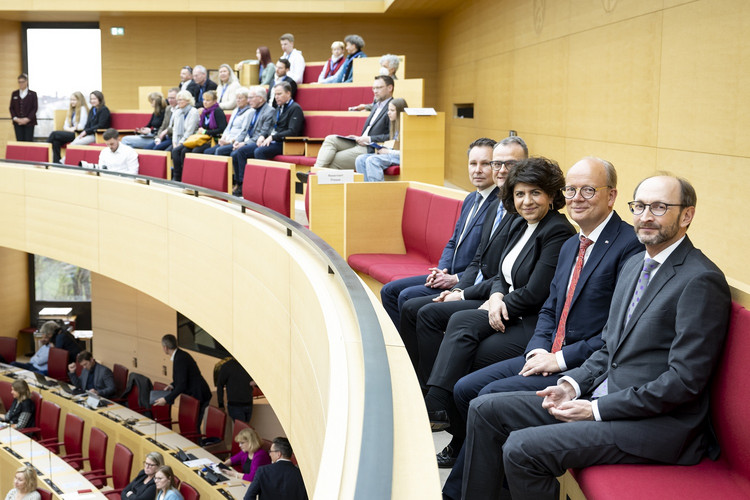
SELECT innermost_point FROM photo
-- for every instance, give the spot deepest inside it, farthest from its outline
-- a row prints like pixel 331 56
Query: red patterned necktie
pixel 560 334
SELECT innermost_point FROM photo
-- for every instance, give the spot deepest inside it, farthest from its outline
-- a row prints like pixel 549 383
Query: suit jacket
pixel 658 366
pixel 187 379
pixel 380 130
pixel 589 306
pixel 288 79
pixel 195 89
pixel 263 125
pixel 24 108
pixel 490 248
pixel 104 381
pixel 464 248
pixel 100 120
pixel 289 122
pixel 278 481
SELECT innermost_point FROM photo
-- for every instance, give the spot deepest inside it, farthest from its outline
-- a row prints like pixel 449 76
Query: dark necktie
pixel 498 217
pixel 560 334
pixel 472 215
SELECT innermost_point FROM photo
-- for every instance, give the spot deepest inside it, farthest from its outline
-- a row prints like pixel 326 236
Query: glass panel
pixel 59 281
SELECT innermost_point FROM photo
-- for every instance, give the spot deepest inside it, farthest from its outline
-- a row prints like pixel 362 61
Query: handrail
pixel 375 469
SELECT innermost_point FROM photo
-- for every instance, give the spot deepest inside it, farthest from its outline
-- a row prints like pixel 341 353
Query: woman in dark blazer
pixel 506 321
pixel 23 107
pixel 98 119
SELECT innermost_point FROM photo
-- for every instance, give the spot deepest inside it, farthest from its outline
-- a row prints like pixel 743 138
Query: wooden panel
pixel 422 151
pixel 10 41
pixel 373 217
pixel 14 291
pixel 366 68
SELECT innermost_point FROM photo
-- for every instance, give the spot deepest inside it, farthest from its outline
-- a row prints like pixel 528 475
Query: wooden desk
pixel 142 436
pixel 17 449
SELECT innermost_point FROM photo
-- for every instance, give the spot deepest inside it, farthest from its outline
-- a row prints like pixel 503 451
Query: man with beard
pixel 643 397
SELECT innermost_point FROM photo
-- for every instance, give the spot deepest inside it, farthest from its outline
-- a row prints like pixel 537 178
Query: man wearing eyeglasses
pixel 280 480
pixel 642 397
pixel 570 323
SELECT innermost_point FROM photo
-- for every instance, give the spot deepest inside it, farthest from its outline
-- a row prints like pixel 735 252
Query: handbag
pixel 195 140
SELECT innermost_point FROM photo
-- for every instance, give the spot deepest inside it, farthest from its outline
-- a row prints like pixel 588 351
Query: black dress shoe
pixel 446 458
pixel 237 191
pixel 439 420
pixel 302 177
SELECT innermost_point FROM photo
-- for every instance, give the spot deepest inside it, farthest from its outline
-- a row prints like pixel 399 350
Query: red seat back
pixel 122 463
pixel 206 171
pixel 74 155
pixel 98 449
pixel 8 348
pixel 428 223
pixel 187 416
pixel 332 98
pixel 238 426
pixel 28 152
pixel 153 165
pixel 319 126
pixel 216 421
pixel 120 374
pixel 268 186
pixel 729 410
pixel 5 396
pixel 188 492
pixel 37 399
pixel 312 71
pixel 73 437
pixel 57 364
pixel 44 494
pixel 50 422
pixel 129 121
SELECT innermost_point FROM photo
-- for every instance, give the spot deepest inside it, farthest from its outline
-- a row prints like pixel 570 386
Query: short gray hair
pixel 355 40
pixel 515 140
pixel 390 61
pixel 243 91
pixel 258 91
pixel 200 68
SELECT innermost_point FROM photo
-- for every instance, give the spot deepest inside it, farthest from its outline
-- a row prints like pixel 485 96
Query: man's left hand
pixel 573 411
pixel 363 140
pixel 543 362
pixel 160 402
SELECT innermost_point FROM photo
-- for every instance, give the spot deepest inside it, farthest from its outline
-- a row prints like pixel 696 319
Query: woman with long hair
pixel 164 480
pixel 145 135
pixel 250 457
pixel 97 119
pixel 21 412
pixel 227 88
pixel 74 122
pixel 373 165
pixel 266 68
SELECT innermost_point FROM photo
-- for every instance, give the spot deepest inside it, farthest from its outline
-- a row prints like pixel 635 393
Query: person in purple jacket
pixel 250 457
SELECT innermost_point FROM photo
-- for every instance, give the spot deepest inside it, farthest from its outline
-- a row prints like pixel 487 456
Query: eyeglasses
pixel 587 192
pixel 148 464
pixel 273 451
pixel 657 208
pixel 508 164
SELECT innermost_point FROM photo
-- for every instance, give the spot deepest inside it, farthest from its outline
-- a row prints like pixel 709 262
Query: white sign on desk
pixel 335 176
pixel 420 111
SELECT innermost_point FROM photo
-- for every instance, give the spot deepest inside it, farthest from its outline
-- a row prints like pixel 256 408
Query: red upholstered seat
pixel 129 120
pixel 324 98
pixel 297 160
pixel 392 170
pixel 426 225
pixel 268 186
pixel 312 71
pixel 320 126
pixel 729 476
pixel 205 171
pixel 74 155
pixel 26 152
pixel 152 165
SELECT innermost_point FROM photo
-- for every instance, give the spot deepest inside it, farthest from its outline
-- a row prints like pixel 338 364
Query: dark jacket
pixel 289 121
pixel 24 108
pixel 139 490
pixel 98 121
pixel 187 379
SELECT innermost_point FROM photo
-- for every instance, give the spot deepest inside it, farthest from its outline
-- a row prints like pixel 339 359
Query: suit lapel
pixel 602 246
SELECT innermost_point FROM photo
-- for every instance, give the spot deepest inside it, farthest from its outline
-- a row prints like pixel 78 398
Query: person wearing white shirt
pixel 117 156
pixel 294 56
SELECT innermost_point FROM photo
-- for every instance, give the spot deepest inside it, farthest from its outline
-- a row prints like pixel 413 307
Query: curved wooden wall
pixel 267 297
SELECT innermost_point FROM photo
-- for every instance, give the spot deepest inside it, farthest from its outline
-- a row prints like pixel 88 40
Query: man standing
pixel 460 249
pixel 23 108
pixel 281 480
pixel 260 124
pixel 116 156
pixel 643 396
pixel 340 153
pixel 294 56
pixel 95 378
pixel 186 376
pixel 202 85
pixel 289 122
pixel 569 327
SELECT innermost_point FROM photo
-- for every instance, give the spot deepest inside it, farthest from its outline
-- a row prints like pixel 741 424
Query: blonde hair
pixel 80 103
pixel 22 388
pixel 232 75
pixel 158 102
pixel 29 475
pixel 249 435
pixel 184 94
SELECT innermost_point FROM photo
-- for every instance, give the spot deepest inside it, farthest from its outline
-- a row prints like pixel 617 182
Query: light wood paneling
pixel 14 291
pixel 10 41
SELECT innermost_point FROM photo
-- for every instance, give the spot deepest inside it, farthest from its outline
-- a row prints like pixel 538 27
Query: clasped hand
pixel 497 310
pixel 559 402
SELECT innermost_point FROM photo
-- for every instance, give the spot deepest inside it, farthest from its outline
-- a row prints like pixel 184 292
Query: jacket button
pixel 614 365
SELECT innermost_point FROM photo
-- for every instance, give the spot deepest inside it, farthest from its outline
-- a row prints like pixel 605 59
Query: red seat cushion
pixel 297 160
pixel 332 98
pixel 208 173
pixel 152 165
pixel 312 71
pixel 129 121
pixel 26 153
pixel 392 170
pixel 319 126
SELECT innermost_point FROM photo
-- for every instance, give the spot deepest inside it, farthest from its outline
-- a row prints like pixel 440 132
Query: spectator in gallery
pixel 75 120
pixel 144 136
pixel 227 88
pixel 186 79
pixel 354 45
pixel 333 65
pixel 266 69
pixel 186 118
pixel 163 139
pixel 97 119
pixel 23 107
pixel 202 84
pixel 389 65
pixel 116 156
pixel 373 165
pixel 294 56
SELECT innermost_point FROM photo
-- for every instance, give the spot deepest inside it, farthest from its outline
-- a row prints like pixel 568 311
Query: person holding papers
pixel 373 165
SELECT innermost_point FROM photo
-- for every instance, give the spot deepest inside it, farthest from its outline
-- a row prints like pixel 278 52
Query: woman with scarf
pixel 186 118
pixel 212 123
pixel 354 46
pixel 333 65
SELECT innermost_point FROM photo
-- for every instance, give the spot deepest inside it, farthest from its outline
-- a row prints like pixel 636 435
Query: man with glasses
pixel 641 398
pixel 570 323
pixel 281 480
pixel 340 153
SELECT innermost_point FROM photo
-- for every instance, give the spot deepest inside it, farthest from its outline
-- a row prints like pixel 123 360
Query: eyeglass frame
pixel 651 208
pixel 580 189
pixel 501 164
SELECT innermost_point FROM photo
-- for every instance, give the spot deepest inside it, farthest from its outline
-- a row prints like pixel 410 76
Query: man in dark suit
pixel 282 68
pixel 95 378
pixel 202 85
pixel 339 153
pixel 280 480
pixel 602 247
pixel 641 398
pixel 186 377
pixel 289 122
pixel 483 266
pixel 462 246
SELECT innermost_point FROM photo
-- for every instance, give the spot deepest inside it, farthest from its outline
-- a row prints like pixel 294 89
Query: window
pixel 192 337
pixel 53 283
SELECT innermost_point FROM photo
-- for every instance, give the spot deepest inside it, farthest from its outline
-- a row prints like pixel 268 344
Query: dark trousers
pixel 510 435
pixel 394 294
pixel 24 133
pixel 178 156
pixel 268 152
pixel 239 160
pixel 164 145
pixel 58 139
pixel 240 412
